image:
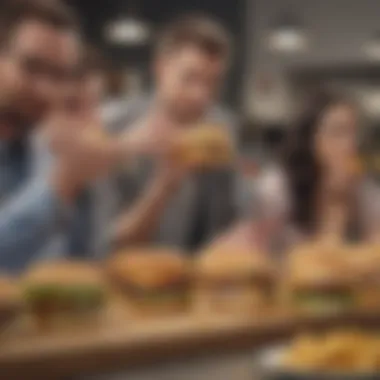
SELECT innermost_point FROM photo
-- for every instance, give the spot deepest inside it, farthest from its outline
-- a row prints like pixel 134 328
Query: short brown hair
pixel 51 12
pixel 197 30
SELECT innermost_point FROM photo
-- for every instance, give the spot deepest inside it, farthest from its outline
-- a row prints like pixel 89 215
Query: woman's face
pixel 336 137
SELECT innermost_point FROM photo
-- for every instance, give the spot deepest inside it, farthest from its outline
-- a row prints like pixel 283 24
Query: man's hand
pixel 83 152
pixel 151 136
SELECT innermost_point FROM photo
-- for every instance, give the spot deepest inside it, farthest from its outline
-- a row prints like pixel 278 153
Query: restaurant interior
pixel 229 310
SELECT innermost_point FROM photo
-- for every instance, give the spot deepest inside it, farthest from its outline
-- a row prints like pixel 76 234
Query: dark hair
pixel 51 12
pixel 198 30
pixel 301 165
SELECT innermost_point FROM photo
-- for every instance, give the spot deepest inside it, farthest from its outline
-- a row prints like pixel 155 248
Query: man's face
pixel 189 79
pixel 35 67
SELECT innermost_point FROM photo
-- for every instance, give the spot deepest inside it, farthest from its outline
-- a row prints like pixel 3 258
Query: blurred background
pixel 283 50
pixel 125 31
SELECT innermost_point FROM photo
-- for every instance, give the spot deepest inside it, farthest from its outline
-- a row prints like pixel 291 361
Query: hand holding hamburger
pixel 202 147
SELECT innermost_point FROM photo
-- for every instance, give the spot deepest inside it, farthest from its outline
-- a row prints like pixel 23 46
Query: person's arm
pixel 27 221
pixel 262 210
pixel 139 222
pixel 31 217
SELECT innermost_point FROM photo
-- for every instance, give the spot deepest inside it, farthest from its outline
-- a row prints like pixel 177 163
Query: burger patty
pixel 57 297
pixel 162 298
pixel 260 282
pixel 131 287
pixel 324 300
pixel 178 293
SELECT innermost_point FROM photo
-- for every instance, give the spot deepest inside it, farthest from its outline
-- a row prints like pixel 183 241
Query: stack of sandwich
pixel 57 292
pixel 233 282
pixel 319 279
pixel 154 281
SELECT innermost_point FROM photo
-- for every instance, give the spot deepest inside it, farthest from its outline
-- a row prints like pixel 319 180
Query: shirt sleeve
pixel 27 221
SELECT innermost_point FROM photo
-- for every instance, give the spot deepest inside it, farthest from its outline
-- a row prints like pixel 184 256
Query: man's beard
pixel 22 111
pixel 13 122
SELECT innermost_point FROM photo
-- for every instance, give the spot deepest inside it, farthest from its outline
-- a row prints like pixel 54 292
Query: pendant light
pixel 372 47
pixel 287 35
pixel 128 29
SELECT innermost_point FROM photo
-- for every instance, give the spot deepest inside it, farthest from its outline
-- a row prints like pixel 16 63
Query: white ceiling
pixel 337 31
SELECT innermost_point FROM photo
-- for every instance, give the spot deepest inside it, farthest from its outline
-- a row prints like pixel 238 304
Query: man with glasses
pixel 39 55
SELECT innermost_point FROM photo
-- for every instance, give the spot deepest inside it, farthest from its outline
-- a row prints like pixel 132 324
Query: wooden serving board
pixel 119 342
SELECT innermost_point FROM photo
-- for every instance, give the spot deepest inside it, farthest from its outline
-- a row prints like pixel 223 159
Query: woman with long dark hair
pixel 319 164
pixel 317 191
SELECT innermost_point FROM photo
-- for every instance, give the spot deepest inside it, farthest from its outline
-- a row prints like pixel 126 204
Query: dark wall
pixel 94 14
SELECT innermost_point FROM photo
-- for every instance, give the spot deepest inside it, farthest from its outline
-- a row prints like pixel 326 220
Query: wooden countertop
pixel 118 342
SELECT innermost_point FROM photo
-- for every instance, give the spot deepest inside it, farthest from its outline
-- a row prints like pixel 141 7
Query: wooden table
pixel 119 343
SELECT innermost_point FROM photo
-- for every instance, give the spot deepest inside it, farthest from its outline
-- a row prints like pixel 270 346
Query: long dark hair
pixel 300 163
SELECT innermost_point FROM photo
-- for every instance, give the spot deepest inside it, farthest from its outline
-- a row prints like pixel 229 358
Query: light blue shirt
pixel 33 221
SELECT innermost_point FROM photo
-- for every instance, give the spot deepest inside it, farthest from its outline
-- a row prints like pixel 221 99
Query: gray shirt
pixel 223 191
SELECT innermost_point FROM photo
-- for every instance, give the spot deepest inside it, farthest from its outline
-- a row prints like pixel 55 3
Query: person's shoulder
pixel 119 114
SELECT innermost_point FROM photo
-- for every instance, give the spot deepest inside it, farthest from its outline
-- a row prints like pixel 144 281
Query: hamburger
pixel 319 279
pixel 154 280
pixel 205 146
pixel 10 301
pixel 355 165
pixel 228 281
pixel 365 262
pixel 64 290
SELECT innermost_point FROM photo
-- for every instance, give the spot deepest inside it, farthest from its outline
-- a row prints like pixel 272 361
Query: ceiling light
pixel 371 103
pixel 287 40
pixel 127 31
pixel 287 35
pixel 372 47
